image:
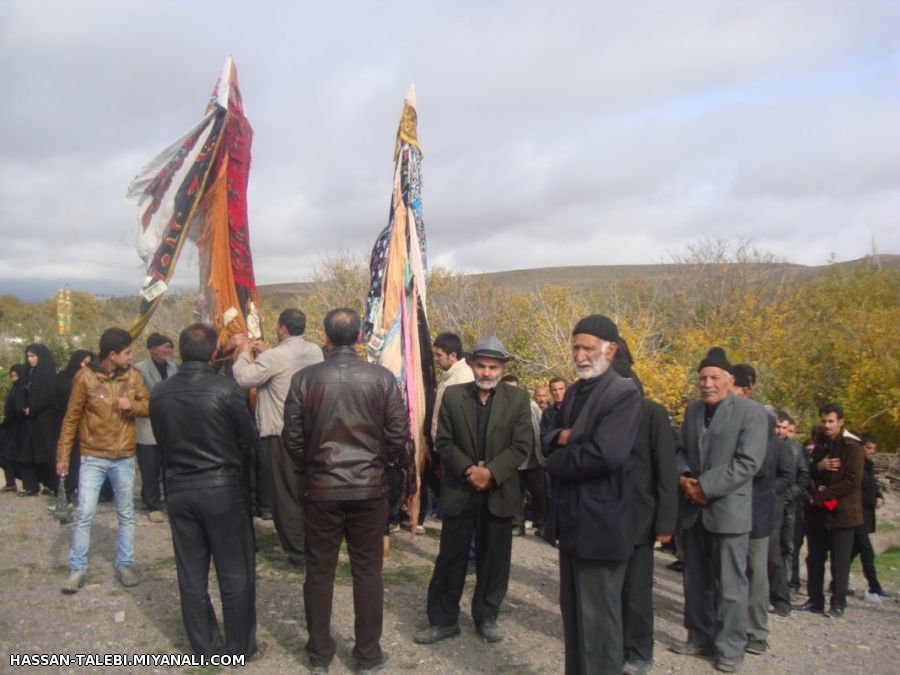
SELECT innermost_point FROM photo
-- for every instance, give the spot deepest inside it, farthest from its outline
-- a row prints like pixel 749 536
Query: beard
pixel 592 368
pixel 487 383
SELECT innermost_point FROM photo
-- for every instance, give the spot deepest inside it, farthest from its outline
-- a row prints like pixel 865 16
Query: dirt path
pixel 106 618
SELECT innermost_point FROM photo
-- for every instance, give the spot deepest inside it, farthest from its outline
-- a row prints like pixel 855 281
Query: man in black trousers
pixel 484 434
pixel 344 424
pixel 655 507
pixel 205 430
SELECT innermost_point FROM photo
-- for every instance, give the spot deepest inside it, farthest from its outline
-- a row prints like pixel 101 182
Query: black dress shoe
pixel 688 648
pixel 370 670
pixel 490 631
pixel 810 606
pixel 28 493
pixel 676 566
pixel 835 613
pixel 434 634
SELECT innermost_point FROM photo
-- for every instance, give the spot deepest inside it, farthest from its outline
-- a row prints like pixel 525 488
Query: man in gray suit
pixel 721 447
pixel 154 370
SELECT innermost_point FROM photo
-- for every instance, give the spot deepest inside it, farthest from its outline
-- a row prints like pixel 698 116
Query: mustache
pixel 487 382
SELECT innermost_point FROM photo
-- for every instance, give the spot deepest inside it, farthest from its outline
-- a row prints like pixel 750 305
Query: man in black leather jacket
pixel 344 423
pixel 205 430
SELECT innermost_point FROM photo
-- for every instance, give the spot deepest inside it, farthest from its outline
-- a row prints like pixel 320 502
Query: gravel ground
pixel 107 618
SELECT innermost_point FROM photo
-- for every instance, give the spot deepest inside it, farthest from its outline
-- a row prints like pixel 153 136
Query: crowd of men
pixel 595 465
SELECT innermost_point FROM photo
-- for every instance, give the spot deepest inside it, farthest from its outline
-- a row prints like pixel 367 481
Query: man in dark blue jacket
pixel 205 430
pixel 591 516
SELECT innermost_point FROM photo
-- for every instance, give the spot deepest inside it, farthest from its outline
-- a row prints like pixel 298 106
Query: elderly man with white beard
pixel 590 518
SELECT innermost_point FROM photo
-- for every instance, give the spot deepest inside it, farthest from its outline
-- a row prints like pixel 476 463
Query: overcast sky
pixel 554 133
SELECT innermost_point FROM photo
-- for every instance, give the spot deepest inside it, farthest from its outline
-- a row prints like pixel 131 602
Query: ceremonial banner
pixel 197 188
pixel 396 324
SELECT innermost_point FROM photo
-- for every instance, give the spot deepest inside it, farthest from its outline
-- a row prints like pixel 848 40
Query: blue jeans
pixel 94 471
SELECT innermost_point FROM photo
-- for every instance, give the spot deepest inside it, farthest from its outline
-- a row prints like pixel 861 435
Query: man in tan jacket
pixel 106 398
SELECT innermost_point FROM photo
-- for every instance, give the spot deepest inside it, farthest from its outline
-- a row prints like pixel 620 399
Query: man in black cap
pixel 721 447
pixel 484 434
pixel 160 366
pixel 591 513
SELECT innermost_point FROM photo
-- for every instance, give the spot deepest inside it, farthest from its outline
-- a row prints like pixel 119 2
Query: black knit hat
pixel 157 340
pixel 716 358
pixel 744 375
pixel 599 326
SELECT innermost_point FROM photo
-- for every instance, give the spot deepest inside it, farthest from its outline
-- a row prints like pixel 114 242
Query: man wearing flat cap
pixel 720 449
pixel 590 517
pixel 160 366
pixel 484 433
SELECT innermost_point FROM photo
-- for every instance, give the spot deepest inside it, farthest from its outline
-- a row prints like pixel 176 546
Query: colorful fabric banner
pixel 197 188
pixel 396 323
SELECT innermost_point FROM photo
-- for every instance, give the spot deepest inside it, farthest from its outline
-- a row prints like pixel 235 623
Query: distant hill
pixel 593 275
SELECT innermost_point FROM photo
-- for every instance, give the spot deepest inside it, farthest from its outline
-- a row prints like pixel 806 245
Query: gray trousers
pixel 590 599
pixel 716 589
pixel 758 580
pixel 283 485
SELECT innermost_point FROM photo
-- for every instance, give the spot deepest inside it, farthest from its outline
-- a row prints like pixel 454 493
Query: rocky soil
pixel 107 618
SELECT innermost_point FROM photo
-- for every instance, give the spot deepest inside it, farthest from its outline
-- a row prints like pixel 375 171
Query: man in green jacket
pixel 484 434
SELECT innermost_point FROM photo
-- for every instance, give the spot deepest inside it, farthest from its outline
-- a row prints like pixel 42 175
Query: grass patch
pixel 8 571
pixel 888 566
pixel 408 574
pixel 886 526
pixel 161 564
pixel 516 668
pixel 268 548
pixel 269 551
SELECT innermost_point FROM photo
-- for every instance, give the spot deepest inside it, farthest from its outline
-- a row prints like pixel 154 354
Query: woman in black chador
pixel 12 432
pixel 36 457
pixel 62 390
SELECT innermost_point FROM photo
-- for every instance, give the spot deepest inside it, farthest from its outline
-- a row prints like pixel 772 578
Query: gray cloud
pixel 554 134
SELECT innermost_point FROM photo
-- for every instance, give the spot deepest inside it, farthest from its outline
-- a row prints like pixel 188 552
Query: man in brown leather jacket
pixel 344 423
pixel 106 398
pixel 833 511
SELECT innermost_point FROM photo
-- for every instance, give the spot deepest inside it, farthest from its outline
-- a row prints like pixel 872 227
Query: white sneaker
pixel 874 597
